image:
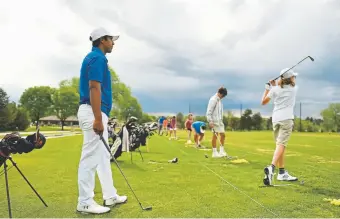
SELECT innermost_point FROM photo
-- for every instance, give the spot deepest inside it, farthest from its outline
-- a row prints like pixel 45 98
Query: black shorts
pixel 189 129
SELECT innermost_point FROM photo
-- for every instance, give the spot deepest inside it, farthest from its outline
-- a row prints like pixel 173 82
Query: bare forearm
pixel 95 96
pixel 265 94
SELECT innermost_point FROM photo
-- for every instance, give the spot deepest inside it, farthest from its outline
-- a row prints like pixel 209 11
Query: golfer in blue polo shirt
pixel 199 128
pixel 93 113
pixel 160 124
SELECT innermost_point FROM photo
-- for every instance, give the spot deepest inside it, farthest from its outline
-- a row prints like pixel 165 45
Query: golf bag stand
pixel 7 185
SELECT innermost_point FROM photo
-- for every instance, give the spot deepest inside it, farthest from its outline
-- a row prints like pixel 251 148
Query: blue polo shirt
pixel 95 68
pixel 197 126
pixel 161 120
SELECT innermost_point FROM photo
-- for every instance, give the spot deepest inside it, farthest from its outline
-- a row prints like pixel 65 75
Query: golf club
pixel 275 185
pixel 219 140
pixel 312 59
pixel 107 147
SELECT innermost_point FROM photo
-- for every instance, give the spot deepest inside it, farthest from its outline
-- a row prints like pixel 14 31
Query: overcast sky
pixel 197 44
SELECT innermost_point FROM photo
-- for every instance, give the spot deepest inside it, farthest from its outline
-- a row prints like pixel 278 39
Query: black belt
pixel 85 102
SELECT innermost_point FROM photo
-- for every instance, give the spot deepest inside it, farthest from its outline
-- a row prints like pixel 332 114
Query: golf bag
pixel 13 144
pixel 130 137
pixel 139 135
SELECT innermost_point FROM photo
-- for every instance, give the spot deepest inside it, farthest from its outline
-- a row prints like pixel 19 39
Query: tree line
pixel 40 101
pixel 249 121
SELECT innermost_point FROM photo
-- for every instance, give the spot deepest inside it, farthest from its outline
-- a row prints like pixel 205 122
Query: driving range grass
pixel 52 128
pixel 194 187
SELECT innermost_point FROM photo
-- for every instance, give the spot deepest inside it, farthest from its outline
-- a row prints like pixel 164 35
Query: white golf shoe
pixel 92 209
pixel 216 155
pixel 268 178
pixel 286 177
pixel 114 201
pixel 223 153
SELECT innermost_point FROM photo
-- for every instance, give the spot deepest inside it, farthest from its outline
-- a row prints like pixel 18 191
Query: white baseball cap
pixel 202 130
pixel 288 74
pixel 100 32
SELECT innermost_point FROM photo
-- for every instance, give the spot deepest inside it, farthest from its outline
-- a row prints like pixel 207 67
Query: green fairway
pixel 194 187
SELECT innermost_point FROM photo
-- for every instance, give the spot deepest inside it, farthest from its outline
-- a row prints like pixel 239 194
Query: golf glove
pixel 267 86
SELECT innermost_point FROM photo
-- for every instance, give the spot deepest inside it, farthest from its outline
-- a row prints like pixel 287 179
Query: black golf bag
pixel 135 133
pixel 13 143
pixel 139 135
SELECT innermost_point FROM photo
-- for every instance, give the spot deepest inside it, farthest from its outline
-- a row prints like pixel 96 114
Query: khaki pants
pixel 282 131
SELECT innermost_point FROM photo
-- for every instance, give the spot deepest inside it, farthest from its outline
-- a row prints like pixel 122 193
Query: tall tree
pixel 130 107
pixel 257 121
pixel 11 115
pixel 225 121
pixel 147 118
pixel 71 83
pixel 124 104
pixel 270 124
pixel 232 121
pixel 21 120
pixel 246 122
pixel 13 118
pixel 3 109
pixel 37 101
pixel 3 99
pixel 65 103
pixel 7 116
pixel 331 117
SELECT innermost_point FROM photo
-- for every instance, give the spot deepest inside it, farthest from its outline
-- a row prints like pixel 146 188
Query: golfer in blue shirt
pixel 93 113
pixel 198 128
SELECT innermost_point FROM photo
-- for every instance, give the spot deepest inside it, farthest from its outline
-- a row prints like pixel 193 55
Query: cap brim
pixel 295 74
pixel 114 38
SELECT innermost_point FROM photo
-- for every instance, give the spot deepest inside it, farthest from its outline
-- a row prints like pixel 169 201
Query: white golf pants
pixel 94 158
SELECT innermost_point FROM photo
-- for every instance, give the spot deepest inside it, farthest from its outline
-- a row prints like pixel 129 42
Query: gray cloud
pixel 183 50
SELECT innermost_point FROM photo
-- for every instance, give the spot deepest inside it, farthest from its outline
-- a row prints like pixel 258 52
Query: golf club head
pixel 148 208
pixel 175 160
pixel 311 58
pixel 133 119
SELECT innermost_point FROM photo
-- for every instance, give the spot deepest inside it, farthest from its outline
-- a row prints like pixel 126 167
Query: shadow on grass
pixel 326 192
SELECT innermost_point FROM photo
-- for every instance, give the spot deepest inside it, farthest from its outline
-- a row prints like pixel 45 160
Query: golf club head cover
pixel 23 146
pixel 37 140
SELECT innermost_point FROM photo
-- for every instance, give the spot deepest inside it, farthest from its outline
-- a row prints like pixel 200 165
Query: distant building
pixel 54 120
